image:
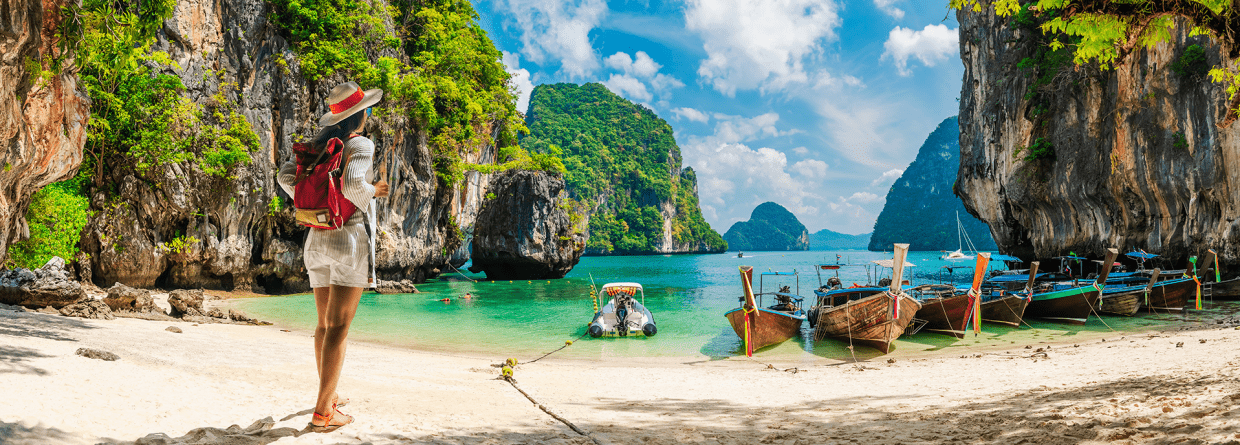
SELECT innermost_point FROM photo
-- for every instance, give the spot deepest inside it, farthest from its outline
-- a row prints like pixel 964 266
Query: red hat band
pixel 348 102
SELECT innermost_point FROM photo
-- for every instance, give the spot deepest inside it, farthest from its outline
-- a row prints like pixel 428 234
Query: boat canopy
pixel 1001 257
pixel 1070 258
pixel 630 289
pixel 887 263
pixel 1142 255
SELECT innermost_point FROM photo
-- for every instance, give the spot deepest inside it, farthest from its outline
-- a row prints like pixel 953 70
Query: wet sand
pixel 1174 384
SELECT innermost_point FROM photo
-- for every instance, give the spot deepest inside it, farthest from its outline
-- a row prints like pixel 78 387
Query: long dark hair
pixel 341 131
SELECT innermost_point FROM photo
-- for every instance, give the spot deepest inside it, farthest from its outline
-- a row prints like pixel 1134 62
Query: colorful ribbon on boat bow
pixel 895 307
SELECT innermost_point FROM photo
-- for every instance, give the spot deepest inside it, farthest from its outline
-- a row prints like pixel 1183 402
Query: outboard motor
pixel 885 282
pixel 624 304
pixel 834 283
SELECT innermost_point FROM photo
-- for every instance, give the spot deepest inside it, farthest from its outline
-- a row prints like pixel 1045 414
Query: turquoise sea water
pixel 688 295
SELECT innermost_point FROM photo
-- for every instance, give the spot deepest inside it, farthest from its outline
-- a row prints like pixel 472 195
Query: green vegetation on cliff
pixel 622 161
pixel 921 206
pixel 140 120
pixel 770 227
pixel 450 82
pixel 1104 32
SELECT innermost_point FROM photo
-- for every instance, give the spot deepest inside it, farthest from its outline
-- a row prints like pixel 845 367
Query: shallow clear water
pixel 688 295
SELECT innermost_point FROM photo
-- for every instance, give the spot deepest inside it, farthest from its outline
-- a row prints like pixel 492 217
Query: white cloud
pixel 887 177
pixel 628 86
pixel 932 44
pixel 691 114
pixel 643 66
pixel 759 43
pixel 811 168
pixel 553 30
pixel 801 151
pixel 736 129
pixel 824 80
pixel 888 7
pixel 640 70
pixel 863 197
pixel 520 80
pixel 736 177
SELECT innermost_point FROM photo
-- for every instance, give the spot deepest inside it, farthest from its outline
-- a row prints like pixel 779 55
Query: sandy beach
pixel 232 384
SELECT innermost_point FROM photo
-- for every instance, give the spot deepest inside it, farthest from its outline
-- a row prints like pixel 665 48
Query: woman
pixel 338 262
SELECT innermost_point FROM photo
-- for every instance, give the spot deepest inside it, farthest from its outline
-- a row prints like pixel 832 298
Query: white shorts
pixel 327 270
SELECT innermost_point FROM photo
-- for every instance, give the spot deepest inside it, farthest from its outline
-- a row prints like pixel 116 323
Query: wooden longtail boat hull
pixel 1170 295
pixel 1124 303
pixel 767 328
pixel 1069 306
pixel 946 316
pixel 1224 290
pixel 867 321
pixel 1009 310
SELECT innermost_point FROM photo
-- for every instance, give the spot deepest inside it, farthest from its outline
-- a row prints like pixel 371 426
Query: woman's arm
pixel 353 183
pixel 288 173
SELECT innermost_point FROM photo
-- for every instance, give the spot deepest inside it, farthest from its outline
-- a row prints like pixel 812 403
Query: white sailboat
pixel 962 241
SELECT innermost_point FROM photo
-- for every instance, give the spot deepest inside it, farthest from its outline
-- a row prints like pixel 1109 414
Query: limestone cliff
pixel 180 227
pixel 524 232
pixel 42 120
pixel 921 209
pixel 1132 157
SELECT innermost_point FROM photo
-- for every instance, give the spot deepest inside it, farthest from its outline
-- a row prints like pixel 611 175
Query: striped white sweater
pixel 355 184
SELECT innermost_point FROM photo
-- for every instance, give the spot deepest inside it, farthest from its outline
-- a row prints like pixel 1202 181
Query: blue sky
pixel 817 105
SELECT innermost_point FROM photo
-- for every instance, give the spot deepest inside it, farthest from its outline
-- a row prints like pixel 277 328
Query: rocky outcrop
pixel 186 303
pixel 88 308
pixel 124 298
pixel 395 287
pixel 1141 156
pixel 47 286
pixel 42 120
pixel 770 227
pixel 921 208
pixel 181 228
pixel 524 233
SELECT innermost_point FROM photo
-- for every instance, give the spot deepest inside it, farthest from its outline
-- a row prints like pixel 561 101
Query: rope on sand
pixel 544 408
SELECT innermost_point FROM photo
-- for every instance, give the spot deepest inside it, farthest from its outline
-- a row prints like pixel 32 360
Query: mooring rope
pixel 545 409
pixel 458 271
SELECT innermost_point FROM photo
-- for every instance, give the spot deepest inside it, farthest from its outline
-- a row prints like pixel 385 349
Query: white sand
pixel 214 376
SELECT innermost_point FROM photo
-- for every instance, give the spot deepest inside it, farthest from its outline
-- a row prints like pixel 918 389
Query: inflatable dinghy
pixel 623 315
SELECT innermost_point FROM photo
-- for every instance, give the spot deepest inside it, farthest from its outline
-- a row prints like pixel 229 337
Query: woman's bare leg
pixel 335 319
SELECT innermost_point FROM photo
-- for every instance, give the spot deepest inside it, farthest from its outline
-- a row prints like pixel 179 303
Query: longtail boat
pixel 759 327
pixel 1009 308
pixel 1071 305
pixel 876 320
pixel 1218 288
pixel 949 313
pixel 1126 300
pixel 1169 295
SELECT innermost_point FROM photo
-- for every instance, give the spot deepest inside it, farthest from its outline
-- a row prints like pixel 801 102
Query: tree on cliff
pixel 1107 31
pixel 623 163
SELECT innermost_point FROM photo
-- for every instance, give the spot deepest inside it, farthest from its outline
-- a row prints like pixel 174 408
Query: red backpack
pixel 317 195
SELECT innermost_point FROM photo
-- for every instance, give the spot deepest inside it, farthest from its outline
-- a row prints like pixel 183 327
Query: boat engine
pixel 624 305
pixel 834 283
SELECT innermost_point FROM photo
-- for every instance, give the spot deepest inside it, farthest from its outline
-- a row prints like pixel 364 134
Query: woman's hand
pixel 382 189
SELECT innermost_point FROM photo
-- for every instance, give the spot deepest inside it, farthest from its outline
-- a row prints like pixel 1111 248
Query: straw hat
pixel 346 100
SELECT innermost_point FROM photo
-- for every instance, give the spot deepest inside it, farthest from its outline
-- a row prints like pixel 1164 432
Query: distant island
pixel 770 227
pixel 921 206
pixel 623 171
pixel 829 240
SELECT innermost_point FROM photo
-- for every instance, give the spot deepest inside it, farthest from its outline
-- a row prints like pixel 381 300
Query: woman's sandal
pixel 341 401
pixel 327 424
